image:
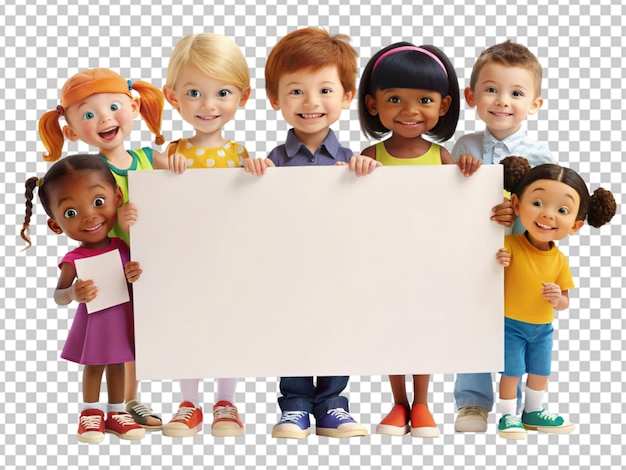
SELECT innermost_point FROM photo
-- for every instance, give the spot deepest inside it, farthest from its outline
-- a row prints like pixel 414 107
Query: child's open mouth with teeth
pixel 108 134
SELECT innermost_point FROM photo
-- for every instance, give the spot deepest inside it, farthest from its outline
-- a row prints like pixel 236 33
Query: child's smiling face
pixel 102 120
pixel 408 112
pixel 548 211
pixel 84 207
pixel 503 96
pixel 205 102
pixel 311 100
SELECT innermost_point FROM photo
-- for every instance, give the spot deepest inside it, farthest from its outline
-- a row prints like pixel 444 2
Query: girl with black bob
pixel 408 92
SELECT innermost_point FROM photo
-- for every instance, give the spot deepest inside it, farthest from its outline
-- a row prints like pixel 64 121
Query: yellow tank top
pixel 432 157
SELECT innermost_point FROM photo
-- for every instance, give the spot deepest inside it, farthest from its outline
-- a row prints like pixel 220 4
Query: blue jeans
pixel 300 394
pixel 476 389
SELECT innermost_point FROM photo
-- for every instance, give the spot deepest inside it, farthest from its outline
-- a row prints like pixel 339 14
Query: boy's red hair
pixel 311 48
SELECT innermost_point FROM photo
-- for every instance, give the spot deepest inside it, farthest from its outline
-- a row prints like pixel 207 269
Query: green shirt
pixel 142 160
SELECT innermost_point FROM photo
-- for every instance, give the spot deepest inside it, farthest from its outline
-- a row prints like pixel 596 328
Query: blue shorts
pixel 527 348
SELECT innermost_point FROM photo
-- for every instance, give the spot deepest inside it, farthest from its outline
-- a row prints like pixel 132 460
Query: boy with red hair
pixel 310 76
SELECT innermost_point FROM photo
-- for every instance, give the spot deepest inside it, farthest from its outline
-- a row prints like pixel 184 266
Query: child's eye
pixel 537 203
pixel 325 91
pixel 89 115
pixel 491 90
pixel 223 93
pixel 564 210
pixel 426 100
pixel 70 213
pixel 394 99
pixel 296 92
pixel 116 105
pixel 99 201
pixel 518 94
pixel 193 93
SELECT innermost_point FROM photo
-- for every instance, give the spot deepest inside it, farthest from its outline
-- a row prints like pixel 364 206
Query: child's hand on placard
pixel 362 165
pixel 503 257
pixel 127 216
pixel 132 271
pixel 468 164
pixel 257 166
pixel 503 213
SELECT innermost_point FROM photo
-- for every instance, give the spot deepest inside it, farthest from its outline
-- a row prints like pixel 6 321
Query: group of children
pixel 405 93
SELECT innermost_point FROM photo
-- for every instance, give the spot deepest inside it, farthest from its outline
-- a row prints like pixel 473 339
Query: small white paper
pixel 107 272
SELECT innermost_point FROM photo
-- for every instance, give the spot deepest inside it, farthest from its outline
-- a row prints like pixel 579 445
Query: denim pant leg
pixel 297 394
pixel 474 389
pixel 327 395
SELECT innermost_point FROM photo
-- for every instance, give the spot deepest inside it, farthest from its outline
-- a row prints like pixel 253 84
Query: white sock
pixel 189 391
pixel 507 407
pixel 226 390
pixel 95 405
pixel 118 407
pixel 534 400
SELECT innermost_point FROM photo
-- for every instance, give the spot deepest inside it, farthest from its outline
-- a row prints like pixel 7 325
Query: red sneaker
pixel 123 426
pixel 186 422
pixel 422 422
pixel 226 421
pixel 91 426
pixel 396 423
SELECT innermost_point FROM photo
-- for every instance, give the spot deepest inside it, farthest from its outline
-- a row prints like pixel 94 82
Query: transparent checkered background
pixel 42 44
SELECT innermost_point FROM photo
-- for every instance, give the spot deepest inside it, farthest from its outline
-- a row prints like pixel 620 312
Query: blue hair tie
pixel 130 84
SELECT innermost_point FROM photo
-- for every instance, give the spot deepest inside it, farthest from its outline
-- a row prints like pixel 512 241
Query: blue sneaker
pixel 293 425
pixel 338 423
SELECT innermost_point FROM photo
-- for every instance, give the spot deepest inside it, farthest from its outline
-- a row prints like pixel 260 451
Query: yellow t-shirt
pixel 231 155
pixel 431 157
pixel 522 280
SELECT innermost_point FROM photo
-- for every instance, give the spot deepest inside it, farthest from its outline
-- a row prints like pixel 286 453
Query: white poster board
pixel 313 271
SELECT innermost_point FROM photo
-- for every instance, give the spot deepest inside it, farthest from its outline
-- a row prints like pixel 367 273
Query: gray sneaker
pixel 471 419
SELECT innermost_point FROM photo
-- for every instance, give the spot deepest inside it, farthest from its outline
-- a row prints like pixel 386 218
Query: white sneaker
pixel 471 419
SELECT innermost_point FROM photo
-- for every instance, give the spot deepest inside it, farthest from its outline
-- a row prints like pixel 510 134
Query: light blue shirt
pixel 487 148
pixel 490 150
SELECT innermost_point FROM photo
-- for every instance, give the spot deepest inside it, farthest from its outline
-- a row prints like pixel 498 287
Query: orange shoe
pixel 226 420
pixel 422 422
pixel 396 423
pixel 186 422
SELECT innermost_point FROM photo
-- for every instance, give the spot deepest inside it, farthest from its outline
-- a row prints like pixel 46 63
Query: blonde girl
pixel 207 80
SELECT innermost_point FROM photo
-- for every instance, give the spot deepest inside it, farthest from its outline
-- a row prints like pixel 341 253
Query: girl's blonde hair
pixel 214 54
pixel 99 80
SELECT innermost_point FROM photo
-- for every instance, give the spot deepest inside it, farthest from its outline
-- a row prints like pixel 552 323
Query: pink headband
pixel 410 48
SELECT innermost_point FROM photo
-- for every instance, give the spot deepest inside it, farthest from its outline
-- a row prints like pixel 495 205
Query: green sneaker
pixel 510 427
pixel 543 421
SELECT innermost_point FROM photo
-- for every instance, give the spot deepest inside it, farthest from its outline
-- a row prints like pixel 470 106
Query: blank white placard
pixel 313 271
pixel 107 272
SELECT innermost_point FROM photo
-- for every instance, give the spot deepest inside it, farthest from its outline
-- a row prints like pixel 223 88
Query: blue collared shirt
pixel 294 153
pixel 486 147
